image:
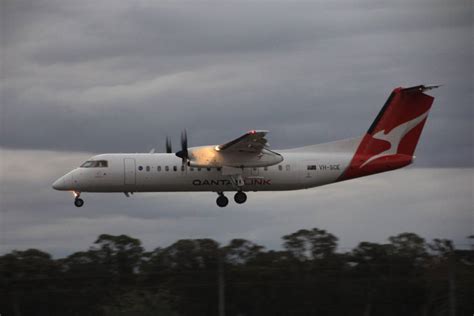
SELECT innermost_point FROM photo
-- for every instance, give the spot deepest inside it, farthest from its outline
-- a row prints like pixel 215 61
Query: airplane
pixel 248 164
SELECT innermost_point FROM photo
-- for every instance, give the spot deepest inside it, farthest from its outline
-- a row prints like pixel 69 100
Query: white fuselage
pixel 165 173
pixel 247 164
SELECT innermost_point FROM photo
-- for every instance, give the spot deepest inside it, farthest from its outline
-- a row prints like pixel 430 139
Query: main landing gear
pixel 222 200
pixel 78 202
pixel 239 198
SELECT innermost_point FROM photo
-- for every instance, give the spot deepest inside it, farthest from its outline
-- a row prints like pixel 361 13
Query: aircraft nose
pixel 64 183
pixel 59 184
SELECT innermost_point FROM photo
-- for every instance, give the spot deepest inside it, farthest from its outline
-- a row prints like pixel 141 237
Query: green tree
pixel 241 251
pixel 137 303
pixel 409 245
pixel 26 280
pixel 121 254
pixel 186 272
pixel 310 244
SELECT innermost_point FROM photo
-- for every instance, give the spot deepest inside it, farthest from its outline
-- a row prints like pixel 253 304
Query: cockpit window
pixel 87 164
pixel 102 163
pixel 95 164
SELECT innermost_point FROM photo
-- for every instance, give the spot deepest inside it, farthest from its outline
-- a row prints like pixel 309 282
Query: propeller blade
pixel 184 146
pixel 169 149
pixel 183 153
pixel 184 140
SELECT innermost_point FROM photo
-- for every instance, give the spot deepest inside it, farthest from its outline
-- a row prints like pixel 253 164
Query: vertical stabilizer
pixel 391 140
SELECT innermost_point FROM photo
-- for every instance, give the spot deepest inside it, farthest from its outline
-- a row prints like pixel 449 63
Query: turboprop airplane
pixel 248 164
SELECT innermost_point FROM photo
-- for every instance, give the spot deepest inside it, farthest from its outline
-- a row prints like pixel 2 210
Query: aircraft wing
pixel 251 142
pixel 247 151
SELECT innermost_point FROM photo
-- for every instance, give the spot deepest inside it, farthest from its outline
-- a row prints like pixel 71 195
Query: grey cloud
pixel 119 77
pixel 373 208
pixel 85 77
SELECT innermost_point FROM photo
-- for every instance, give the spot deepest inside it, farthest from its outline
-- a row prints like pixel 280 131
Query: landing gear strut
pixel 240 197
pixel 222 200
pixel 78 202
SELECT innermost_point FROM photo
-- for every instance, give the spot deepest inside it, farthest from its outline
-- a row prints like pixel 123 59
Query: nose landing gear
pixel 78 202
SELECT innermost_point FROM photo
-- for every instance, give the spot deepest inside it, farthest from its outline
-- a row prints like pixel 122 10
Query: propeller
pixel 169 149
pixel 183 153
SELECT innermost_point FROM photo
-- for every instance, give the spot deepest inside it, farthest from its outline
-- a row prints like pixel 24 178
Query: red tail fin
pixel 392 138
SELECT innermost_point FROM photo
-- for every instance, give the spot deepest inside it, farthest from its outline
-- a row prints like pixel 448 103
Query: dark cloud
pixel 108 77
pixel 82 77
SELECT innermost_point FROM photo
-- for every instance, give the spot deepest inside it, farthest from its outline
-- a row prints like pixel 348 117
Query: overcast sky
pixel 85 77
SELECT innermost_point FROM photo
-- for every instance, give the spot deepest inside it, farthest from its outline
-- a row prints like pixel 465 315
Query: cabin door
pixel 130 178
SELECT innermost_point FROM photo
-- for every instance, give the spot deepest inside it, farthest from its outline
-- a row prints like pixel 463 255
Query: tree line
pixel 308 276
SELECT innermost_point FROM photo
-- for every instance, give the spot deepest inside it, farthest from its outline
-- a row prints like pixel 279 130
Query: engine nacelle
pixel 209 157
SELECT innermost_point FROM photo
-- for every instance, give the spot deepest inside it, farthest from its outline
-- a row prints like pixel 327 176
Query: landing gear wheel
pixel 240 197
pixel 78 202
pixel 222 201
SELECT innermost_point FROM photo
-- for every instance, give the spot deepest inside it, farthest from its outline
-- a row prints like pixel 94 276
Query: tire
pixel 240 197
pixel 78 202
pixel 222 201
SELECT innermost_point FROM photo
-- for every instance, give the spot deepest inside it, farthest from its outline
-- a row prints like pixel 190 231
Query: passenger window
pixel 287 167
pixel 219 168
pixel 175 168
pixel 158 168
pixel 192 169
pixel 199 169
pixel 208 169
pixel 254 169
pixel 280 167
pixel 265 168
pixel 148 168
pixel 140 168
pixel 167 168
pixel 312 167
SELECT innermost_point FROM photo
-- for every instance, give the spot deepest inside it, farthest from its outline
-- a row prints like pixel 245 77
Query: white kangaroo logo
pixel 395 136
